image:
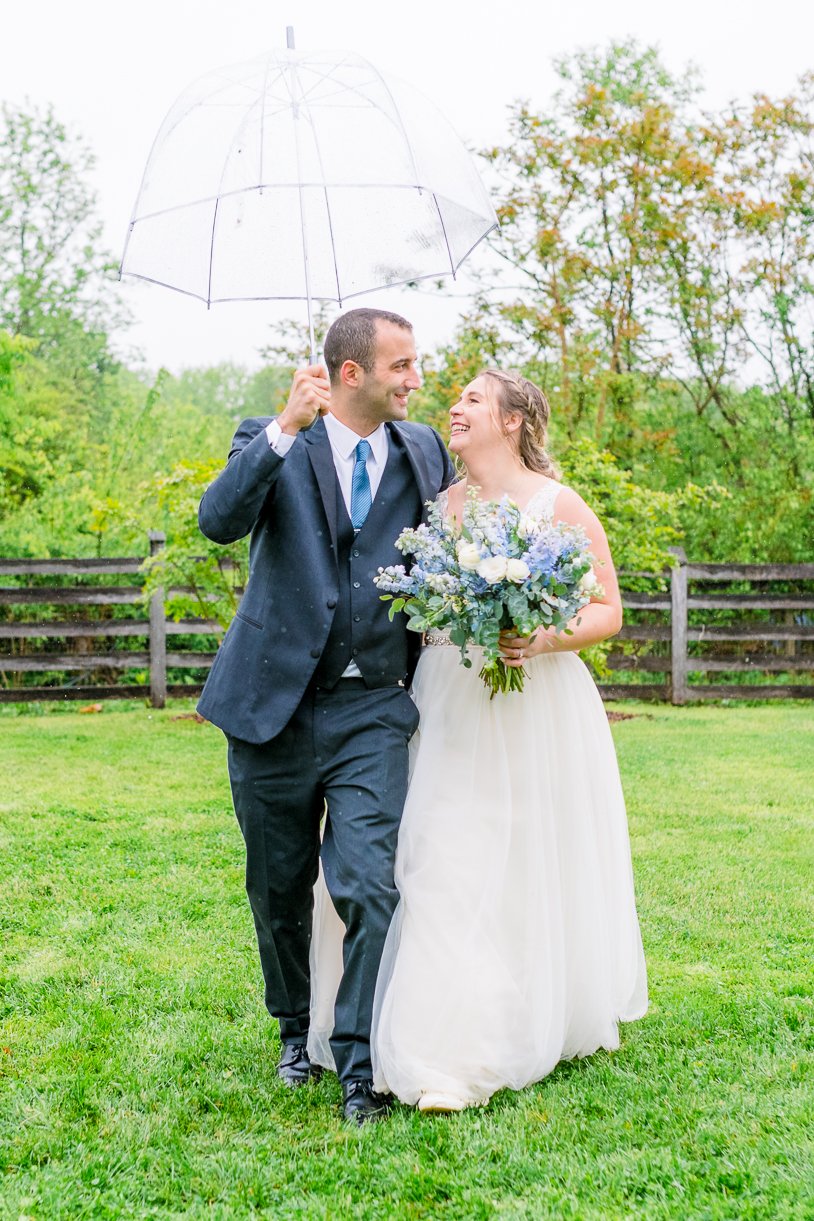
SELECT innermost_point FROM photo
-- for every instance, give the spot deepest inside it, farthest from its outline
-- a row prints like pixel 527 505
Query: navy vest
pixel 361 628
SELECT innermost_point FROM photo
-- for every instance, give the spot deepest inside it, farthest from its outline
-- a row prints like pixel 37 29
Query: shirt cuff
pixel 279 441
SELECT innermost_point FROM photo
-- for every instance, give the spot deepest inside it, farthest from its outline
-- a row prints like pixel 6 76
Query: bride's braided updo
pixel 516 395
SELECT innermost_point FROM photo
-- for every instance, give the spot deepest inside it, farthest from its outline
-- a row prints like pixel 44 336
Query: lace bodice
pixel 541 504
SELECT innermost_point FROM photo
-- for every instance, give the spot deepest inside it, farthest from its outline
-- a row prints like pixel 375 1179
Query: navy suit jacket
pixel 289 505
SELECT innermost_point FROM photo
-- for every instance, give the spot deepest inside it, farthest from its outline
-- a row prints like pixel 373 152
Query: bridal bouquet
pixel 499 570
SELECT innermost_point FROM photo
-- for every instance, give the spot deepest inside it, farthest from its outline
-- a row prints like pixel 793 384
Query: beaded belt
pixel 437 638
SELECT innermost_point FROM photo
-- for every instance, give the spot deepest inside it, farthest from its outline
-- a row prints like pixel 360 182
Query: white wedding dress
pixel 516 942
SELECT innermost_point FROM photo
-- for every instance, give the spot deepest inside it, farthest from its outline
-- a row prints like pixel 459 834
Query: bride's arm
pixel 597 621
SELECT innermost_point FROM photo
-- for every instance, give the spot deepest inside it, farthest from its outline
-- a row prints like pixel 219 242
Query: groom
pixel 310 682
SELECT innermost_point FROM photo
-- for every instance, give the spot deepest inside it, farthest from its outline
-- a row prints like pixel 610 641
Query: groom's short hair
pixel 353 337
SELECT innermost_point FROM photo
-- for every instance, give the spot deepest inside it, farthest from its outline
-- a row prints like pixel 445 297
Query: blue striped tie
pixel 360 495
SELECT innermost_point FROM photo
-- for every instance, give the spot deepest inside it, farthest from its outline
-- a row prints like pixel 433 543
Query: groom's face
pixel 387 387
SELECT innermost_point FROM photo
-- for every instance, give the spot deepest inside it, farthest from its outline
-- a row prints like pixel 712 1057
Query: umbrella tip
pixel 289 37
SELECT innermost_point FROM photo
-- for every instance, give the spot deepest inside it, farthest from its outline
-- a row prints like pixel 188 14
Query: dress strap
pixel 542 502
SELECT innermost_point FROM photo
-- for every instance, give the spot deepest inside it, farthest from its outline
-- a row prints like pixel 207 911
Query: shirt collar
pixel 344 440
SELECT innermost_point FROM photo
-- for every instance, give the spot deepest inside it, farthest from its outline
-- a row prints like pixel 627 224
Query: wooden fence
pixel 691 621
pixel 97 651
pixel 710 624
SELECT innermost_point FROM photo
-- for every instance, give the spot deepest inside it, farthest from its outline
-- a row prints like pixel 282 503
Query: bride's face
pixel 471 420
pixel 475 420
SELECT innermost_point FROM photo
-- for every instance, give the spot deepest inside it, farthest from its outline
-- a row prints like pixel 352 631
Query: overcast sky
pixel 112 70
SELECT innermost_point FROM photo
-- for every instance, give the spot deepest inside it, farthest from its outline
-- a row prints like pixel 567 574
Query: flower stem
pixel 501 678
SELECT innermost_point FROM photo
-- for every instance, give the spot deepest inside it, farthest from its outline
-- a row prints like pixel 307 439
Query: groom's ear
pixel 351 374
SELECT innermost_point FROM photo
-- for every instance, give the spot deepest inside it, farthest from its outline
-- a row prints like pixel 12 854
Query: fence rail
pixel 687 628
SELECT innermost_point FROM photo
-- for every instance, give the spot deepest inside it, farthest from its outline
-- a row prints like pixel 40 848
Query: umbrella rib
pixel 444 231
pixel 278 110
pixel 206 100
pixel 331 73
pixel 431 275
pixel 362 292
pixel 318 148
pixel 133 218
pixel 263 116
pixel 161 135
pixel 211 253
pixel 401 127
pixel 185 292
pixel 322 76
pixel 259 99
pixel 483 236
pixel 341 88
pixel 284 186
pixel 235 136
pixel 363 104
pixel 356 90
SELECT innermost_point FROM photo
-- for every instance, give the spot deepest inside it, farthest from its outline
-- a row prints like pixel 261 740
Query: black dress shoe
pixel 295 1067
pixel 362 1103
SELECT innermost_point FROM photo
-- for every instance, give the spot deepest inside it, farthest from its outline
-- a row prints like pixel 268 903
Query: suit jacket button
pixel 331 603
pixel 316 653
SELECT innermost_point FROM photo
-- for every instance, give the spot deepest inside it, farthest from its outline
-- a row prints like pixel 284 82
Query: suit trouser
pixel 344 751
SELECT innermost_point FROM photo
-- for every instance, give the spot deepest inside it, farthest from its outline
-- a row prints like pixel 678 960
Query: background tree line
pixel 657 281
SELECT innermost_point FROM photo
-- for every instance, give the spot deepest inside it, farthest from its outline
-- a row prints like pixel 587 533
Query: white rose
pixel 468 555
pixel 589 585
pixel 517 570
pixel 492 569
pixel 527 526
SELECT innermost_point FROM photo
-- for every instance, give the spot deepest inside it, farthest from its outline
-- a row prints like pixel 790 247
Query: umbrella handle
pixel 313 360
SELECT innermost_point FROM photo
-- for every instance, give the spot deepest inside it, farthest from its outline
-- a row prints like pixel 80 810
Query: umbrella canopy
pixel 303 176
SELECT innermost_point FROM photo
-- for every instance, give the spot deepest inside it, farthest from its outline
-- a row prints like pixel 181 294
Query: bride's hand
pixel 515 650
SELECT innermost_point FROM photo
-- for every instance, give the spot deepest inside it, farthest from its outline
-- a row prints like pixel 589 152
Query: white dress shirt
pixel 343 445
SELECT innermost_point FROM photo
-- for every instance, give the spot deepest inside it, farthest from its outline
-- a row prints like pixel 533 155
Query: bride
pixel 516 942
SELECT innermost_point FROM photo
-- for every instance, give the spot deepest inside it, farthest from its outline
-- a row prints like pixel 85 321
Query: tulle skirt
pixel 516 941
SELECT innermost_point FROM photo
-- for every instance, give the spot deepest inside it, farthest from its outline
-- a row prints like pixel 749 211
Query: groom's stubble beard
pixel 370 406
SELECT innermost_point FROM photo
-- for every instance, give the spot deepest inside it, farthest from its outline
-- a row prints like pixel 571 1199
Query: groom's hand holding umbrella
pixel 310 397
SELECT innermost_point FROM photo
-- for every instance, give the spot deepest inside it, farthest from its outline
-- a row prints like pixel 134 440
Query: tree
pixel 37 414
pixel 770 192
pixel 56 285
pixel 584 207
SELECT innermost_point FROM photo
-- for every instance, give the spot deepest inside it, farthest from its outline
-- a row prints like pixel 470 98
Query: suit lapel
pixel 417 461
pixel 321 456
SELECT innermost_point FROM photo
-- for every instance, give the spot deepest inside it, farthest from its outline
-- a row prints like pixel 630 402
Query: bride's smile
pixel 472 418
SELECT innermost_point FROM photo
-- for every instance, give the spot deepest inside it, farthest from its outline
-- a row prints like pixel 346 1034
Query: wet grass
pixel 137 1063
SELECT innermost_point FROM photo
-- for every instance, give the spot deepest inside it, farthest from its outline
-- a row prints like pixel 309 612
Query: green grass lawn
pixel 137 1061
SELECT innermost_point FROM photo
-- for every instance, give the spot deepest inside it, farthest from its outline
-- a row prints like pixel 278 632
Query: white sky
pixel 112 70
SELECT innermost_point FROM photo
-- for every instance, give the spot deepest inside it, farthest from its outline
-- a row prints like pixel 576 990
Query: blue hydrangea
pixel 436 592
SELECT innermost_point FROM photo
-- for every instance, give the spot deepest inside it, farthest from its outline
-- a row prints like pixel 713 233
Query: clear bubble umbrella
pixel 303 177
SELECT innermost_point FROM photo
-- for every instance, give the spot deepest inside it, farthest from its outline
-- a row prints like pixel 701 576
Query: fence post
pixel 158 633
pixel 791 644
pixel 678 626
